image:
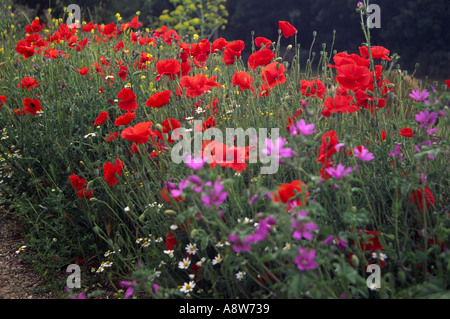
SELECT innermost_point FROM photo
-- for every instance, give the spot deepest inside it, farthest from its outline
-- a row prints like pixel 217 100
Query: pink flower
pixel 363 154
pixel 305 260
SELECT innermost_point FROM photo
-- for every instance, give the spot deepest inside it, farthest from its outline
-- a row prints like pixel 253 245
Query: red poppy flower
pixel 88 27
pixel 342 58
pixel 134 24
pixel 34 27
pixel 261 57
pixel 327 148
pixel 373 244
pixel 353 77
pixel 287 30
pixel 171 241
pixel 286 193
pixel 340 103
pixel 159 99
pixel 232 52
pixel 25 48
pixel 260 41
pixel 85 193
pixel 420 198
pixel 272 74
pixel 128 100
pixel 209 123
pixel 77 182
pixel 110 170
pixel 125 119
pixel 109 29
pixel 447 82
pixel 168 126
pixel 407 132
pixel 197 85
pixel 27 82
pixel 224 155
pixel 101 118
pixel 367 101
pixel 123 73
pixel 243 79
pixel 313 88
pixel 2 100
pixel 378 52
pixel 31 106
pixel 169 68
pixel 83 70
pixel 140 133
pixel 218 45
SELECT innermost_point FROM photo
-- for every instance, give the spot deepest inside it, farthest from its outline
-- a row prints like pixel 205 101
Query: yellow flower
pixel 138 13
pixel 195 36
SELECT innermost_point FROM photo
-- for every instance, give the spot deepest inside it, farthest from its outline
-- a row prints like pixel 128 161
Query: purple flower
pixel 80 296
pixel 155 288
pixel 302 229
pixel 418 95
pixel 339 172
pixel 194 163
pixel 363 154
pixel 196 183
pixel 253 199
pixel 426 119
pixel 129 285
pixel 277 149
pixel 216 195
pixel 239 244
pixel 261 231
pixel 303 128
pixel 397 152
pixel 328 240
pixel 305 260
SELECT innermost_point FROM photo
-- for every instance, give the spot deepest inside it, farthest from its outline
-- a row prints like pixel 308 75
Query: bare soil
pixel 18 279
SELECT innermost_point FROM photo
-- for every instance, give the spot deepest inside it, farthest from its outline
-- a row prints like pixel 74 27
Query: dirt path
pixel 18 279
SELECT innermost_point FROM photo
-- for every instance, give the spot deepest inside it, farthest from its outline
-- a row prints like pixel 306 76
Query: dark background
pixel 417 30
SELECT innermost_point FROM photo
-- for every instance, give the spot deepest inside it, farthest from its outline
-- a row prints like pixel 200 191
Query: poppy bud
pixel 355 260
pixel 89 184
pixel 159 127
pixel 82 163
pixel 93 199
pixel 170 212
pixel 29 171
pixel 289 47
pixel 142 217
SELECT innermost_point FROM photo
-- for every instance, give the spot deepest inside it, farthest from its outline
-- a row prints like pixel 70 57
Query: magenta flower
pixel 277 149
pixel 426 119
pixel 261 231
pixel 303 128
pixel 397 152
pixel 129 285
pixel 239 244
pixel 305 260
pixel 253 199
pixel 216 195
pixel 363 154
pixel 302 229
pixel 340 171
pixel 418 95
pixel 194 163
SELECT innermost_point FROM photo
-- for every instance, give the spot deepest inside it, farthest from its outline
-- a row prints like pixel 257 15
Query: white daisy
pixel 184 264
pixel 217 260
pixel 187 287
